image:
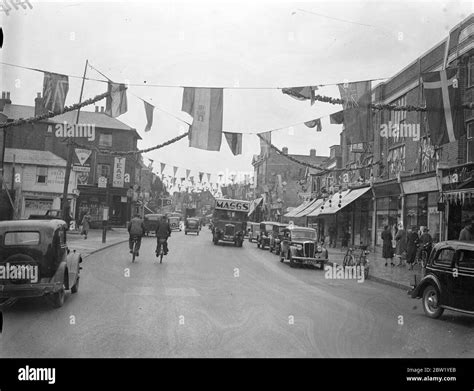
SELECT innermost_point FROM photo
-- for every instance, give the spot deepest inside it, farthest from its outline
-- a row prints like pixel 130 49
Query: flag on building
pixel 149 115
pixel 235 142
pixel 265 140
pixel 315 123
pixel 444 110
pixel 208 178
pixel 175 170
pixel 205 105
pixel 116 102
pixel 163 165
pixel 337 118
pixel 301 93
pixel 187 173
pixel 200 177
pixel 55 89
pixel 357 98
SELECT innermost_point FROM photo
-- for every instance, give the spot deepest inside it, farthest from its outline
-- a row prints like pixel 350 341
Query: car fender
pixel 59 275
pixel 73 261
pixel 427 280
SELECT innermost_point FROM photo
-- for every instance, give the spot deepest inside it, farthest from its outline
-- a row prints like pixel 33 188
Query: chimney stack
pixel 39 105
pixel 5 100
pixel 312 152
pixel 285 150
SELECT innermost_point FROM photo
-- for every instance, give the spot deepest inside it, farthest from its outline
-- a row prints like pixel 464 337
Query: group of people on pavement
pixel 409 245
pixel 136 230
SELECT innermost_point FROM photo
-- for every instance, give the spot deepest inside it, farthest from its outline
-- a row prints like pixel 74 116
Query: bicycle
pixel 422 255
pixel 134 248
pixel 160 250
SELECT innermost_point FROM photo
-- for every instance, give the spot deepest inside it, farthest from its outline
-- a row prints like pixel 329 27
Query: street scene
pixel 251 180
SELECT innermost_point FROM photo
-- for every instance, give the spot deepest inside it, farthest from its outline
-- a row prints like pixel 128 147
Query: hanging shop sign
pixel 119 172
pixel 81 162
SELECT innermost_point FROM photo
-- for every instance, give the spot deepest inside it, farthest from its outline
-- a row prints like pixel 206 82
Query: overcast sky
pixel 248 43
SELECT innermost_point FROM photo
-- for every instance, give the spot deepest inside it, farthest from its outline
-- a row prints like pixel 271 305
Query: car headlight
pixel 299 247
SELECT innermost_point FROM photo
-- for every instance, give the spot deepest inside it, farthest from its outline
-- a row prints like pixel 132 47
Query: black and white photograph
pixel 245 179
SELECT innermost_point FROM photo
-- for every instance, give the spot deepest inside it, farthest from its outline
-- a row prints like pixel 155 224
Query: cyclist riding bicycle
pixel 163 231
pixel 136 229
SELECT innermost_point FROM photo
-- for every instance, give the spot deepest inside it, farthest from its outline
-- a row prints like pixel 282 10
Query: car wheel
pixel 431 302
pixel 270 249
pixel 258 245
pixel 185 232
pixel 292 263
pixel 57 298
pixel 75 288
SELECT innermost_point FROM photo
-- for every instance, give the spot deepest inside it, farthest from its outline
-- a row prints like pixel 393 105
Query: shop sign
pixel 102 182
pixel 119 172
pixel 420 186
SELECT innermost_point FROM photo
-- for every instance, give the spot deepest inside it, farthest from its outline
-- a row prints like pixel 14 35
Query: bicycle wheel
pixel 348 260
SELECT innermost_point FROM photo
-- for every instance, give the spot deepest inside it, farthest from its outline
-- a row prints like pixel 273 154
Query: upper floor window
pixel 41 174
pixel 105 140
pixel 103 170
pixel 470 72
pixel 396 160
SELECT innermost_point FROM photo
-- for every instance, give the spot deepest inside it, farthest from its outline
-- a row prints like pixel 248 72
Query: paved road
pixel 223 301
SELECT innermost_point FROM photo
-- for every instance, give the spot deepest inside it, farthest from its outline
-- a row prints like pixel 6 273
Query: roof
pixel 456 244
pixel 315 160
pixel 30 225
pixel 34 157
pixel 99 119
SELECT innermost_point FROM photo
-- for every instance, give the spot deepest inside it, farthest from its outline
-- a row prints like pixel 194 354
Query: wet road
pixel 224 301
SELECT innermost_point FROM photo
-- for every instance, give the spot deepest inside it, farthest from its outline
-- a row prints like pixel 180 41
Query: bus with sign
pixel 229 221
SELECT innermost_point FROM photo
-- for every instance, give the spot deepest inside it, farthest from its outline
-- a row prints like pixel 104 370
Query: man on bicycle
pixel 136 229
pixel 163 231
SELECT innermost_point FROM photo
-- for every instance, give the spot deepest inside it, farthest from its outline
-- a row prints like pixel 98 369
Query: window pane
pixel 21 238
pixel 445 258
pixel 467 259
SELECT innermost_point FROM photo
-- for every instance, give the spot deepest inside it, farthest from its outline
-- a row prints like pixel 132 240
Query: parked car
pixel 49 215
pixel 175 223
pixel 276 236
pixel 254 231
pixel 40 248
pixel 448 281
pixel 264 237
pixel 192 224
pixel 299 245
pixel 151 222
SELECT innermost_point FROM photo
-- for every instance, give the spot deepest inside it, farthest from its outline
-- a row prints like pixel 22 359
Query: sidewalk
pixel 399 277
pixel 93 243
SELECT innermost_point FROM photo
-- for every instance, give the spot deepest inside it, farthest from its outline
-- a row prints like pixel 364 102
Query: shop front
pixel 388 208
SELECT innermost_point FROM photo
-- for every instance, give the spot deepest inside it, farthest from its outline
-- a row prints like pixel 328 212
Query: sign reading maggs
pixel 243 206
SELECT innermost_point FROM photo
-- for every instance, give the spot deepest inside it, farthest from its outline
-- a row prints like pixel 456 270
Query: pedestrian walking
pixel 86 219
pixel 412 246
pixel 387 248
pixel 466 232
pixel 401 247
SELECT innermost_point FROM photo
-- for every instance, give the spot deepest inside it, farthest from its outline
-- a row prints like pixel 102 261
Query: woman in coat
pixel 401 247
pixel 85 224
pixel 412 246
pixel 387 249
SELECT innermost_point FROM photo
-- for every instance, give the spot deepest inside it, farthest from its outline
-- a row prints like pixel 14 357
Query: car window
pixel 21 238
pixel 466 259
pixel 445 257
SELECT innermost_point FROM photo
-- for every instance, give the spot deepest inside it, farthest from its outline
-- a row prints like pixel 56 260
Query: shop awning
pixel 253 205
pixel 347 198
pixel 304 211
pixel 311 208
pixel 297 209
pixel 325 204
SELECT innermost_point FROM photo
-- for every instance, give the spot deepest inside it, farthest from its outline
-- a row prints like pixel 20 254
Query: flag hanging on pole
pixel 116 102
pixel 357 98
pixel 235 142
pixel 265 139
pixel 301 93
pixel 149 115
pixel 315 123
pixel 445 113
pixel 55 89
pixel 205 105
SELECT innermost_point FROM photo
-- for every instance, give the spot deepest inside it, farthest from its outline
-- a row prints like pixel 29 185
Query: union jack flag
pixel 55 89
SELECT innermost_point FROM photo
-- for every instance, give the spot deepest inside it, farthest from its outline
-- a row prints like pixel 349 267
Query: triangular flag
pixel 187 173
pixel 301 93
pixel 55 89
pixel 149 115
pixel 205 105
pixel 314 123
pixel 337 118
pixel 175 170
pixel 191 178
pixel 208 178
pixel 200 176
pixel 163 165
pixel 116 102
pixel 235 142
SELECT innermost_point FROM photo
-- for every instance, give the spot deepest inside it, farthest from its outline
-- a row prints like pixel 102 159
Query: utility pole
pixel 70 154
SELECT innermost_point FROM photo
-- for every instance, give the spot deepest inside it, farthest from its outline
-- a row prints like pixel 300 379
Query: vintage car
pixel 253 230
pixel 276 236
pixel 299 245
pixel 266 227
pixel 35 261
pixel 192 224
pixel 448 279
pixel 229 221
pixel 151 222
pixel 175 223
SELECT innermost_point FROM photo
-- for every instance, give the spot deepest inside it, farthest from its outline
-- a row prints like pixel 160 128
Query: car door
pixel 466 280
pixel 443 268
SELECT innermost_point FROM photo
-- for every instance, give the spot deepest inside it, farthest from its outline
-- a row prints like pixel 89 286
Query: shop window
pixel 105 140
pixel 411 207
pixel 423 209
pixel 41 174
pixel 103 170
pixel 470 142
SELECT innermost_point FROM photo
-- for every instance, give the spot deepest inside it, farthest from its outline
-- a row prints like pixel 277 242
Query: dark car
pixel 151 222
pixel 276 236
pixel 43 264
pixel 266 227
pixel 192 224
pixel 299 245
pixel 254 231
pixel 448 281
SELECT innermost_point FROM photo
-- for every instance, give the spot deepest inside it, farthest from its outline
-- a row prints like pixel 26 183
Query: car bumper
pixel 28 290
pixel 310 261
